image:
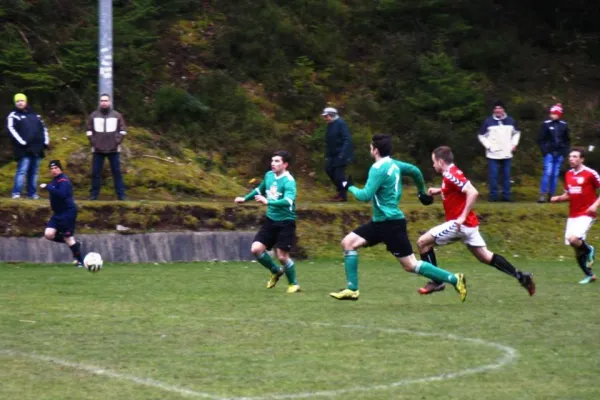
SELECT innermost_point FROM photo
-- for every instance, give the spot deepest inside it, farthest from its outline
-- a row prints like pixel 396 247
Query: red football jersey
pixel 581 186
pixel 454 198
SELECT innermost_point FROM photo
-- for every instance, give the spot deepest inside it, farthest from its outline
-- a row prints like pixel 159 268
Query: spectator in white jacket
pixel 500 136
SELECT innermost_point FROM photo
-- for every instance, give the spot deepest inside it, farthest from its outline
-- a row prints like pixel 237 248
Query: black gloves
pixel 425 199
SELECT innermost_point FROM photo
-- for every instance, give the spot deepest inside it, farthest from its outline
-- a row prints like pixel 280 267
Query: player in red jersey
pixel 581 184
pixel 459 196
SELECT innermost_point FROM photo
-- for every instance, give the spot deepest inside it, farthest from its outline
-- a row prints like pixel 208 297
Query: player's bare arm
pixel 561 198
pixel 239 200
pixel 472 195
pixel 594 207
pixel 434 191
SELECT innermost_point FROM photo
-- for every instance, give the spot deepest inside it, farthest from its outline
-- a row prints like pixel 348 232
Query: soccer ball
pixel 93 262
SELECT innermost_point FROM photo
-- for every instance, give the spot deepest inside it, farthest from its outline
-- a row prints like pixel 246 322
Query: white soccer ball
pixel 93 262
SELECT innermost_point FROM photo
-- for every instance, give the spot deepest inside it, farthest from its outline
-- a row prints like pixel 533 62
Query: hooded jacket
pixel 29 135
pixel 106 130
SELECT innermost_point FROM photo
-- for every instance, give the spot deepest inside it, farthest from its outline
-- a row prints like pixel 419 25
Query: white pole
pixel 105 49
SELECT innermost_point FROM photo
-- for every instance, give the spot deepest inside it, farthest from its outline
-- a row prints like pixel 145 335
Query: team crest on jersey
pixel 580 180
pixel 273 194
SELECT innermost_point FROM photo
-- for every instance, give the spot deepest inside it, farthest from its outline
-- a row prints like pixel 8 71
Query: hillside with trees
pixel 222 83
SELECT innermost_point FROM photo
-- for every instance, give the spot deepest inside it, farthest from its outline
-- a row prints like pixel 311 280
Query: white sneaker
pixel 16 196
pixel 35 197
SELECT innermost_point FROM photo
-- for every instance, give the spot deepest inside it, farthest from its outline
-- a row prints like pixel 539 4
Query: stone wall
pixel 135 248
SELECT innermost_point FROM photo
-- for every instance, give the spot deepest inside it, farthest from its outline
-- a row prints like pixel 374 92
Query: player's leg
pixel 363 236
pixel 53 231
pixel 75 248
pixel 575 235
pixel 485 256
pixel 411 264
pixel 264 240
pixel 74 245
pixel 395 237
pixel 289 268
pixel 426 244
pixel 52 234
pixel 286 237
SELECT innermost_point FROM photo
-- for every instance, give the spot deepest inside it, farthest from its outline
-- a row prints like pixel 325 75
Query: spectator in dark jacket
pixel 106 130
pixel 29 137
pixel 555 142
pixel 339 152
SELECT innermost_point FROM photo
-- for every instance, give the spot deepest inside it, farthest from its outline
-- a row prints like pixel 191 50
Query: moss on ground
pixel 517 230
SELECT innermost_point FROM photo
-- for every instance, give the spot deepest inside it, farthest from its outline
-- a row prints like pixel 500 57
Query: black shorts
pixel 392 233
pixel 280 234
pixel 63 223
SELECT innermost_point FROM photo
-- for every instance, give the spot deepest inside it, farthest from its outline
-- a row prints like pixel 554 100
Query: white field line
pixel 509 355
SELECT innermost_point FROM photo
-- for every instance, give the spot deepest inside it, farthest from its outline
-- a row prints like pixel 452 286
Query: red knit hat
pixel 557 109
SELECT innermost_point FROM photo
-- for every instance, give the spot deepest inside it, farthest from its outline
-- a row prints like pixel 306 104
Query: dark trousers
pixel 337 174
pixel 115 166
pixel 494 169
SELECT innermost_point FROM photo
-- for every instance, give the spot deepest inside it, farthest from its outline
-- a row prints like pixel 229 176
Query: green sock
pixel 266 261
pixel 290 272
pixel 434 273
pixel 351 267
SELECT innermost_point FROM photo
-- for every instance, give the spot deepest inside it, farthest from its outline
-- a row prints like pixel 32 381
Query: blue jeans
pixel 115 166
pixel 550 175
pixel 494 168
pixel 29 166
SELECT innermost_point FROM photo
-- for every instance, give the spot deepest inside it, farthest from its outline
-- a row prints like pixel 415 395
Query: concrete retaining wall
pixel 136 248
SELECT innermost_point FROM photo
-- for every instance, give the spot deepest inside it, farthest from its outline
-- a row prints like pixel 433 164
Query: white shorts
pixel 578 226
pixel 447 233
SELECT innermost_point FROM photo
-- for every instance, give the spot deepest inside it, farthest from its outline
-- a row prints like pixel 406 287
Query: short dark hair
pixel 580 150
pixel 444 153
pixel 104 95
pixel 284 154
pixel 383 143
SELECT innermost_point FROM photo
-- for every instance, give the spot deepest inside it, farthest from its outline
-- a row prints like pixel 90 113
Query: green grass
pixel 213 328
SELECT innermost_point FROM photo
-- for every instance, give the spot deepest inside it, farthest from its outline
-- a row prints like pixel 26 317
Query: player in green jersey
pixel 384 189
pixel 278 192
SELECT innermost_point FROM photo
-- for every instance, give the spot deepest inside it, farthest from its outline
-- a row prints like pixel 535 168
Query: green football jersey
pixel 280 192
pixel 384 187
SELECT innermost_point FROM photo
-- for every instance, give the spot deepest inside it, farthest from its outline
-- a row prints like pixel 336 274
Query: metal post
pixel 105 49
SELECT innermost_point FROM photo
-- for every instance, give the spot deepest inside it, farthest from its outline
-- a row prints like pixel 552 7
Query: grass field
pixel 211 330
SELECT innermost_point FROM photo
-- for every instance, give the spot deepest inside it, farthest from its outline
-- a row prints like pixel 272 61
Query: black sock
pixel 501 264
pixel 584 248
pixel 581 254
pixel 76 250
pixel 430 257
pixel 58 238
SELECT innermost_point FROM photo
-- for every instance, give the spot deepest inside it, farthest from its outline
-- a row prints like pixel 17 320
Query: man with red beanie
pixel 555 142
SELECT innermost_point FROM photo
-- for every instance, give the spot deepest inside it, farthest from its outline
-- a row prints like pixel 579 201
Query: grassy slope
pixel 203 327
pixel 146 176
